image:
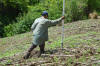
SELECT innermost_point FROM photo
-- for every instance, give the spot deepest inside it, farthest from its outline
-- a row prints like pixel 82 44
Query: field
pixel 81 47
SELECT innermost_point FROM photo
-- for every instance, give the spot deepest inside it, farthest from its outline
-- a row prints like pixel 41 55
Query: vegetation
pixel 94 5
pixel 82 39
pixel 11 9
pixel 17 16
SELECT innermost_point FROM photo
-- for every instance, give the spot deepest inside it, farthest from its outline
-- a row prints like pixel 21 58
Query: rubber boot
pixel 29 51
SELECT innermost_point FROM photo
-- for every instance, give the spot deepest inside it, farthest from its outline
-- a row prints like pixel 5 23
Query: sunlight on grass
pixel 13 51
pixel 72 41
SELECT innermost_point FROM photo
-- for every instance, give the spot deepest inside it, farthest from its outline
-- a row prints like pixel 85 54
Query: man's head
pixel 45 14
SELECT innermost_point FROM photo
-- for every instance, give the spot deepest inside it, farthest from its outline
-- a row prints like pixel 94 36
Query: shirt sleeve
pixel 33 26
pixel 53 22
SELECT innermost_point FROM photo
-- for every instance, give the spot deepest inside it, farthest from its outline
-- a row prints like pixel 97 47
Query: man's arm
pixel 33 26
pixel 54 22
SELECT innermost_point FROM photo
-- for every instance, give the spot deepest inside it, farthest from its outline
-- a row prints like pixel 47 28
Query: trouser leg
pixel 29 51
pixel 42 46
pixel 32 47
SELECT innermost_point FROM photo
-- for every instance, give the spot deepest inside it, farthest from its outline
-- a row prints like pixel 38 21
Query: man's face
pixel 46 16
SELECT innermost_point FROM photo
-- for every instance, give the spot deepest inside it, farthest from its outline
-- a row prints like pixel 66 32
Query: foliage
pixel 76 44
pixel 75 10
pixel 94 5
pixel 10 9
pixel 23 23
pixel 1 29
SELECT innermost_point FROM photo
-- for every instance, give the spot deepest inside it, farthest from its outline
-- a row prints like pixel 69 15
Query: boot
pixel 27 55
pixel 40 53
pixel 29 51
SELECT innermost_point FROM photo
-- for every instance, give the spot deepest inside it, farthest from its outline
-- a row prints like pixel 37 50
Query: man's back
pixel 40 28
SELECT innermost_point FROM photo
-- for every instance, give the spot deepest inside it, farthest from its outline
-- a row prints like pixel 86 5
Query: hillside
pixel 81 43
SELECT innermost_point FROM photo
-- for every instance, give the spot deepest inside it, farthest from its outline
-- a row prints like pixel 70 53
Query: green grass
pixel 8 53
pixel 72 41
pixel 13 45
pixel 20 43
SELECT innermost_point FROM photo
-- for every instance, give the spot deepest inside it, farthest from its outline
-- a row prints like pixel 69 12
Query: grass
pixel 74 38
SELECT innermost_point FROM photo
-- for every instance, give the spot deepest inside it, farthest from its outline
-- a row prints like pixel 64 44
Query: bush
pixel 1 29
pixel 94 5
pixel 10 9
pixel 9 30
pixel 75 10
pixel 23 23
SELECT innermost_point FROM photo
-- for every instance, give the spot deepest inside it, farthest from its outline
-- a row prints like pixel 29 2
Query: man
pixel 40 32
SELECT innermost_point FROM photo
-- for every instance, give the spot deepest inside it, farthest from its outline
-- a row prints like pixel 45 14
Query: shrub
pixel 1 29
pixel 75 10
pixel 10 9
pixel 23 23
pixel 9 30
pixel 94 5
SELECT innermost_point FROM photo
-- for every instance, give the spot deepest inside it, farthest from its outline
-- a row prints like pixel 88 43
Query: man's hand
pixel 63 17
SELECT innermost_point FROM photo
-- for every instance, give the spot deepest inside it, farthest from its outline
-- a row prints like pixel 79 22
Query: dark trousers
pixel 42 46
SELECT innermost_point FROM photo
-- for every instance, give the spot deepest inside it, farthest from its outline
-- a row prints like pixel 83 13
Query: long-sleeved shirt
pixel 40 29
